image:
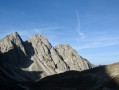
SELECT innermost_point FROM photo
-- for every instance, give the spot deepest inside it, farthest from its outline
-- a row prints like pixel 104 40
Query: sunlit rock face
pixel 36 65
pixel 71 58
pixel 37 58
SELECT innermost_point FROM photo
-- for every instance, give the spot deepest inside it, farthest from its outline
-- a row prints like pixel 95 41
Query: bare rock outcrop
pixel 14 52
pixel 37 58
pixel 23 64
pixel 71 58
pixel 44 56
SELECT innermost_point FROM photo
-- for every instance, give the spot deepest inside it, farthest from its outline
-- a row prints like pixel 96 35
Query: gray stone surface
pixel 71 58
pixel 37 58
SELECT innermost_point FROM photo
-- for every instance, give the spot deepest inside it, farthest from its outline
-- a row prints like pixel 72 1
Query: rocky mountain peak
pixel 36 58
pixel 71 57
pixel 13 37
pixel 40 36
pixel 9 41
pixel 40 39
pixel 38 55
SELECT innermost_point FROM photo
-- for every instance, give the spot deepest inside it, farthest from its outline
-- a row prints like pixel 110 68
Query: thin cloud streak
pixel 25 34
pixel 98 44
pixel 81 34
pixel 87 43
pixel 48 28
pixel 105 39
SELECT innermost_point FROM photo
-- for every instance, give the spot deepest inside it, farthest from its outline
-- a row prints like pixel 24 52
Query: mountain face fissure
pixel 37 58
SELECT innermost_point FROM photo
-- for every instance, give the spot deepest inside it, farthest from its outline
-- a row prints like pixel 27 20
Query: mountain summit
pixel 36 65
pixel 38 56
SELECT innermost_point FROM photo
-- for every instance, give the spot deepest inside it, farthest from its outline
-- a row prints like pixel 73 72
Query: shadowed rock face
pixel 99 78
pixel 37 54
pixel 22 64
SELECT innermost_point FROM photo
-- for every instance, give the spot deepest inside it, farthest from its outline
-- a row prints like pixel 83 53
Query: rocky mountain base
pixel 99 78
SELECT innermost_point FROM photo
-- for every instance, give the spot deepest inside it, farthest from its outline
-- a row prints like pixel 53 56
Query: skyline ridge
pixel 91 26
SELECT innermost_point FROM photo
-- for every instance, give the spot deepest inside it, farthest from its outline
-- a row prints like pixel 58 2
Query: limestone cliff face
pixel 44 56
pixel 37 58
pixel 71 58
pixel 14 52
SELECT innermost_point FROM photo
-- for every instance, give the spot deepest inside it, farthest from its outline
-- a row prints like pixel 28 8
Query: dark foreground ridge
pixel 99 78
pixel 36 65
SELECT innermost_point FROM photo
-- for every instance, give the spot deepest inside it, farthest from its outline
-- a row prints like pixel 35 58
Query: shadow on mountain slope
pixel 94 79
pixel 29 48
pixel 12 77
pixel 11 64
pixel 15 57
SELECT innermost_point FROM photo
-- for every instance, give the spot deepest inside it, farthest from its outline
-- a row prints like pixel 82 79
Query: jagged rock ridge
pixel 37 58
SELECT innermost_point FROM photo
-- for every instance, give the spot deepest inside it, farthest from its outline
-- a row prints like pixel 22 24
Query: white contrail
pixel 81 34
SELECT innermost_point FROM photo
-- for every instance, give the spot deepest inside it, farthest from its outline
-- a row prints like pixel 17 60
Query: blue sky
pixel 91 27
